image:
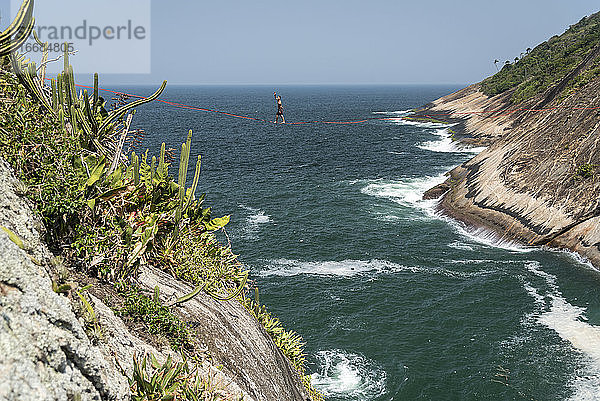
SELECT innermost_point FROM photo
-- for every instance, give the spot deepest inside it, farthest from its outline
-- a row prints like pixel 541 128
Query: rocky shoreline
pixel 537 181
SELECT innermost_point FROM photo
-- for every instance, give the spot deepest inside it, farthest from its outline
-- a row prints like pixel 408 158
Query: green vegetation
pixel 157 318
pixel 91 324
pixel 109 215
pixel 288 341
pixel 585 171
pixel 41 155
pixel 13 237
pixel 538 69
pixel 19 30
pixel 172 381
pixel 581 80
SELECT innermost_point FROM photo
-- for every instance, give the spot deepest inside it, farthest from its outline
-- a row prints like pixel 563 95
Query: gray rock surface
pixel 44 351
pixel 234 340
pixel 118 342
pixel 526 185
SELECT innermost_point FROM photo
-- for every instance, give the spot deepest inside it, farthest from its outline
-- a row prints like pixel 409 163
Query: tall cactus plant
pixel 183 192
pixel 61 99
pixel 83 113
pixel 19 30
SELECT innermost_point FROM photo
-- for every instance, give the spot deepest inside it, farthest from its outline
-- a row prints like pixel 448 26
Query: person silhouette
pixel 279 109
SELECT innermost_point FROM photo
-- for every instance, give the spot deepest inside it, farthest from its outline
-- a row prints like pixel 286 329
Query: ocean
pixel 395 301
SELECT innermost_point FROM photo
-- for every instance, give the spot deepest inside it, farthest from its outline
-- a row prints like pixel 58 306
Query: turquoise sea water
pixel 394 301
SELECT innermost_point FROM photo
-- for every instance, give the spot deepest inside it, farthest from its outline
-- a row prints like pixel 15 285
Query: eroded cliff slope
pixel 538 181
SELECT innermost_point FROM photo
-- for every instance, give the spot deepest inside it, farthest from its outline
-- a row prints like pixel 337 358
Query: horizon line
pixel 293 84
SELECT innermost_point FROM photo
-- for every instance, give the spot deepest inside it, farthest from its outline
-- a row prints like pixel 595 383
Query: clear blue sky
pixel 345 41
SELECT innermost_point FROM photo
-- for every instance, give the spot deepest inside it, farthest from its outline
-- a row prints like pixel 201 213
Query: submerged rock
pixel 437 191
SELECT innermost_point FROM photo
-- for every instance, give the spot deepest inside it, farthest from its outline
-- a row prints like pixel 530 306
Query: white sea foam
pixel 460 245
pixel 533 292
pixel 445 144
pixel 406 192
pixel 349 376
pixel 483 236
pixel 255 218
pixel 343 268
pixel 259 218
pixel 570 323
pixel 575 256
pixel 421 124
pixel 534 267
pixel 350 268
pixel 389 217
pixel 394 113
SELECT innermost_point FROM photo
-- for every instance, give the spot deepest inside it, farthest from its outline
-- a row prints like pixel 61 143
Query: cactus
pixel 192 190
pixel 60 93
pixel 27 74
pixel 135 164
pixel 45 51
pixel 19 30
pixel 87 113
pixel 83 115
pixel 61 117
pixel 153 169
pixel 95 90
pixel 183 203
pixel 54 94
pixel 162 166
pixel 118 113
pixel 205 287
pixel 183 168
pixel 73 118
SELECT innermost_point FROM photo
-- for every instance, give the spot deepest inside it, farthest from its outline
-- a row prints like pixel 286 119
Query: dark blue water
pixel 394 302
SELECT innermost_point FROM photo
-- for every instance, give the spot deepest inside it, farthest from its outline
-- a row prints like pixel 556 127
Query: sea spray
pixel 346 375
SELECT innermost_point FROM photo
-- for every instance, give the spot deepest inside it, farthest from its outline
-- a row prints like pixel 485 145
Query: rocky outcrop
pixel 120 344
pixel 539 180
pixel 235 340
pixel 45 353
pixel 478 113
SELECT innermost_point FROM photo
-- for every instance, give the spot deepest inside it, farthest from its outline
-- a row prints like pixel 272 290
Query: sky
pixel 334 41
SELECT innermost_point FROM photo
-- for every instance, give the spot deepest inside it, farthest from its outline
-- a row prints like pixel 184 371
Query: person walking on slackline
pixel 279 109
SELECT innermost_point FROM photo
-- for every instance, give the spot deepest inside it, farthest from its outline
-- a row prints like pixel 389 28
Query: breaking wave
pixel 399 113
pixel 255 218
pixel 570 323
pixel 343 268
pixel 349 376
pixel 445 144
pixel 406 192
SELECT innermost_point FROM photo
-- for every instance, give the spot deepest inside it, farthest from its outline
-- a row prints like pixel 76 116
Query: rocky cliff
pixel 538 181
pixel 46 354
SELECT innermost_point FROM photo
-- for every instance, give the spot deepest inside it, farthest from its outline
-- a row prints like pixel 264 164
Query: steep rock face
pixel 531 183
pixel 120 344
pixel 477 111
pixel 235 340
pixel 44 351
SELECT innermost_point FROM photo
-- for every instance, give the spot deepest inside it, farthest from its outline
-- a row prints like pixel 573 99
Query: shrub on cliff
pixel 547 63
